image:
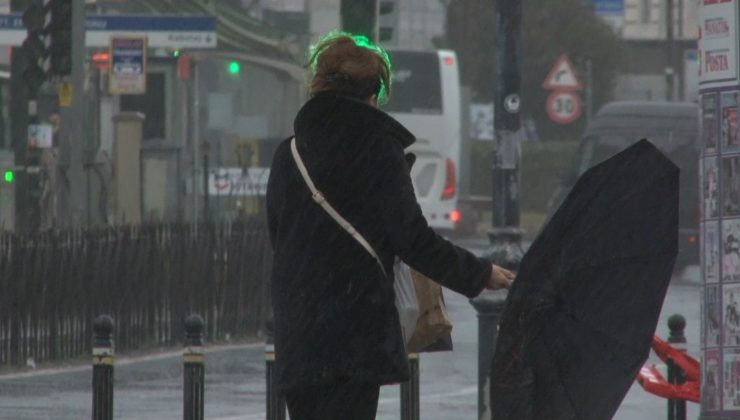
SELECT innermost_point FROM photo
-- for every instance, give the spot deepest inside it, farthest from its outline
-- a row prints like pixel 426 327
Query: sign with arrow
pixel 562 76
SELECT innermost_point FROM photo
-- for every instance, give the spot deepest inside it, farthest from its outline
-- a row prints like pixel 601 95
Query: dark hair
pixel 351 66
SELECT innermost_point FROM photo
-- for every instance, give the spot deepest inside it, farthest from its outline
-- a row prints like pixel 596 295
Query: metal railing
pixel 147 278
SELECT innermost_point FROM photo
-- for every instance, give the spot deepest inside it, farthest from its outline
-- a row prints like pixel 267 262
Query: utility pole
pixel 670 68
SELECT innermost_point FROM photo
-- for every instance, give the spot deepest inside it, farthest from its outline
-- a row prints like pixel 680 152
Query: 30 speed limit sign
pixel 563 107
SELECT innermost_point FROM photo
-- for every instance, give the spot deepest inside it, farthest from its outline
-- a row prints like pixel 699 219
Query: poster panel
pixel 731 383
pixel 731 186
pixel 711 254
pixel 731 314
pixel 710 385
pixel 712 316
pixel 710 188
pixel 709 122
pixel 731 250
pixel 730 138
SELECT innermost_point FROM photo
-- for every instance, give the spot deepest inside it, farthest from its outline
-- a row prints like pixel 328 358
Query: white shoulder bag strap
pixel 318 197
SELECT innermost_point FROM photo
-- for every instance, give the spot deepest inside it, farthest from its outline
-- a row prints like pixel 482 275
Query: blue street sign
pixel 609 7
pixel 161 31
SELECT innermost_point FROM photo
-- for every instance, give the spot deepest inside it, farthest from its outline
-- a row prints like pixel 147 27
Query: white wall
pixel 645 19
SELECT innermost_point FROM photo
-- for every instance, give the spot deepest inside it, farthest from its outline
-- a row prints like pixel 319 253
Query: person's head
pixel 352 66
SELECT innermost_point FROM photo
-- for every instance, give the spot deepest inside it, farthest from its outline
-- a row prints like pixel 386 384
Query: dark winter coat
pixel 335 316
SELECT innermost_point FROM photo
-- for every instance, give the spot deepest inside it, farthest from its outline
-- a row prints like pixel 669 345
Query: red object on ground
pixel 688 364
pixel 653 382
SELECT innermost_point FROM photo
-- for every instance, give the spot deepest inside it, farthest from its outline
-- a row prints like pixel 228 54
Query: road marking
pixel 125 361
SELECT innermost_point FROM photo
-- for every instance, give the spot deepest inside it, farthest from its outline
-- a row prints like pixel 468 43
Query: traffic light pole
pixel 19 129
pixel 26 79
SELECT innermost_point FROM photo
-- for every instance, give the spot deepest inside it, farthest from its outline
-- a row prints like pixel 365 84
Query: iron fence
pixel 53 284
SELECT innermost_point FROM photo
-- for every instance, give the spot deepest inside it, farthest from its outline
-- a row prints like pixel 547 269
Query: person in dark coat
pixel 337 332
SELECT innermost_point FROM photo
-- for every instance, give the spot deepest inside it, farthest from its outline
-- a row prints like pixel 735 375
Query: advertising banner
pixel 718 43
pixel 127 65
pixel 719 184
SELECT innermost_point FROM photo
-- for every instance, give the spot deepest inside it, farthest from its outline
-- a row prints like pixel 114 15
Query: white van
pixel 426 100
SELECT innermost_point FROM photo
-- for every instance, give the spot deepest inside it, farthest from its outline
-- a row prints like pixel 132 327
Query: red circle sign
pixel 563 107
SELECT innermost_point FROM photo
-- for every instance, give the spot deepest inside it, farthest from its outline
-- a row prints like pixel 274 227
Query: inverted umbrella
pixel 582 312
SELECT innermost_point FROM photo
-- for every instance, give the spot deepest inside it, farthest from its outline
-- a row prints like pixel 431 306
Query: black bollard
pixel 194 377
pixel 275 401
pixel 102 404
pixel 489 307
pixel 676 376
pixel 410 391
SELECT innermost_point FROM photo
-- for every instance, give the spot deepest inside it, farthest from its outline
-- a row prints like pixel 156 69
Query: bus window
pixel 415 84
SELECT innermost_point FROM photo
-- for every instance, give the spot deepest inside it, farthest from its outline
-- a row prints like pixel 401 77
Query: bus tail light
pixel 455 215
pixel 450 181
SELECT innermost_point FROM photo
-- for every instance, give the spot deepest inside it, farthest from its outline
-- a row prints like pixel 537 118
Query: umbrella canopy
pixel 581 315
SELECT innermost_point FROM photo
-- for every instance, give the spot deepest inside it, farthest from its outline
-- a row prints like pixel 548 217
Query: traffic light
pixel 8 176
pixel 358 17
pixel 59 32
pixel 387 21
pixel 34 47
pixel 234 67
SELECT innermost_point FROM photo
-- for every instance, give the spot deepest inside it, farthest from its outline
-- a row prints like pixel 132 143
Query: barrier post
pixel 676 325
pixel 102 359
pixel 410 391
pixel 194 369
pixel 489 309
pixel 275 401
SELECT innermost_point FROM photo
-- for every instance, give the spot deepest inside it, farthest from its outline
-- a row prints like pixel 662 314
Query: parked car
pixel 673 127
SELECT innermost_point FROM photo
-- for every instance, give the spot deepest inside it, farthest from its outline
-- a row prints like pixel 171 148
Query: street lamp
pixel 505 234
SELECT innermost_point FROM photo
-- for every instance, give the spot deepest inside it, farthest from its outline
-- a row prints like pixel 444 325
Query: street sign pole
pixel 505 166
pixel 505 234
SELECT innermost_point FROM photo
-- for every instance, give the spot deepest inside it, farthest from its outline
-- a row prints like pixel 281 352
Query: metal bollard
pixel 490 307
pixel 676 325
pixel 102 359
pixel 410 391
pixel 275 401
pixel 194 369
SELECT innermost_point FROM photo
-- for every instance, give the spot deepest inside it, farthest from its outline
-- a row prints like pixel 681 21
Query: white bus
pixel 426 100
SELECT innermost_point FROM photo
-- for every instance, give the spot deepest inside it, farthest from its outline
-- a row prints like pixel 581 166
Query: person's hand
pixel 501 278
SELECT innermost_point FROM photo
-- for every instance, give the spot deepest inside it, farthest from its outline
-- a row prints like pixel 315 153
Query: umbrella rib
pixel 562 384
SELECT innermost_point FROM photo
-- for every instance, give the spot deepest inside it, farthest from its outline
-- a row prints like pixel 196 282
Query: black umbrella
pixel 581 314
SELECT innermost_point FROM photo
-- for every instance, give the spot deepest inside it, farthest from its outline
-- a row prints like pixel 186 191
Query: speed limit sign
pixel 563 107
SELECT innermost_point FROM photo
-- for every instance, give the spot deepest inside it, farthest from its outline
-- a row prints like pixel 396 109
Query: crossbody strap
pixel 319 198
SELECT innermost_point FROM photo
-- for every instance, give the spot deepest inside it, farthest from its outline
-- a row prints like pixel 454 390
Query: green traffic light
pixel 176 53
pixel 234 67
pixel 8 176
